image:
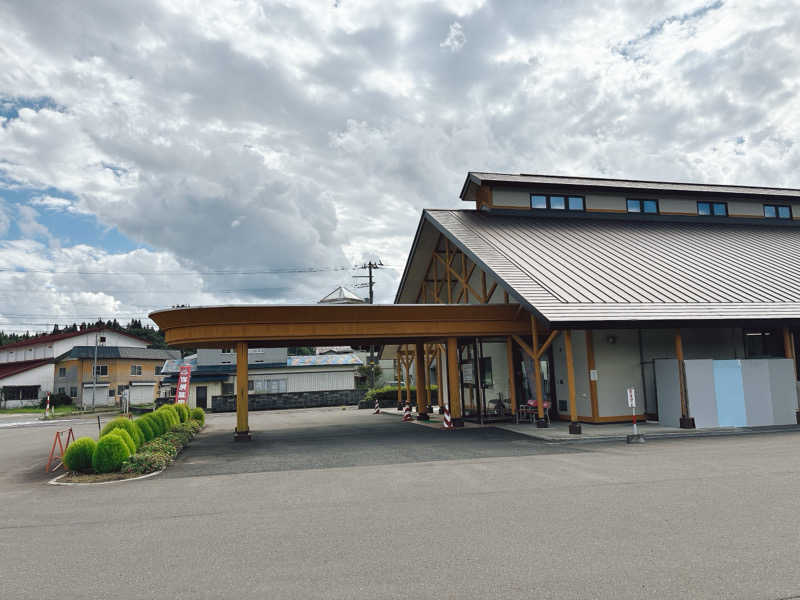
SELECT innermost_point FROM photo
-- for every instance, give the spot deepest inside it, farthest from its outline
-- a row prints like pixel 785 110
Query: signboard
pixel 593 375
pixel 182 392
pixel 631 397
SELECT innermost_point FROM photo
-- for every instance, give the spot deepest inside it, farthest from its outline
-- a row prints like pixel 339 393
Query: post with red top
pixel 636 438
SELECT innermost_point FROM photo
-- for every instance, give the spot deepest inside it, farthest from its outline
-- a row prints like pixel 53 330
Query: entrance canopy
pixel 321 325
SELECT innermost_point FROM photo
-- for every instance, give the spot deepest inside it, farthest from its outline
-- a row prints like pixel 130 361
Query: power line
pixel 278 271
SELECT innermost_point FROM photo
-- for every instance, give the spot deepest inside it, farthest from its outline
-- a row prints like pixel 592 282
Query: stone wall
pixel 289 400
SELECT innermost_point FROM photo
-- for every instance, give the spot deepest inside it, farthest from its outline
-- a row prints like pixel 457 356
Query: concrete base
pixel 797 416
pixel 635 438
pixel 574 427
pixel 542 423
pixel 687 423
pixel 423 417
pixel 242 436
pixel 459 422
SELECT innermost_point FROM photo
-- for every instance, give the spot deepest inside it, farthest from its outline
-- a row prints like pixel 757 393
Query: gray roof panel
pixel 572 270
pixel 600 185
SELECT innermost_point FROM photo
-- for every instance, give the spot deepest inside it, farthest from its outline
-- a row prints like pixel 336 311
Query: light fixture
pixel 611 339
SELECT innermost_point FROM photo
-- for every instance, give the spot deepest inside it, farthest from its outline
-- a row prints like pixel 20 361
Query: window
pixel 73 392
pixel 157 370
pixel 120 389
pixel 256 350
pixel 110 392
pixel 250 385
pixel 62 390
pixel 102 371
pixel 717 209
pixel 763 343
pixel 557 202
pixel 227 389
pixel 649 207
pixel 777 211
pixel 226 351
pixel 102 339
pixel 136 369
pixel 62 371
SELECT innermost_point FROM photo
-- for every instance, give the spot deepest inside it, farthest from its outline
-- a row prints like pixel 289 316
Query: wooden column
pixel 512 388
pixel 537 372
pixel 574 426
pixel 399 387
pixel 686 421
pixel 422 402
pixel 453 386
pixel 590 368
pixel 439 380
pixel 407 365
pixel 242 425
pixel 788 351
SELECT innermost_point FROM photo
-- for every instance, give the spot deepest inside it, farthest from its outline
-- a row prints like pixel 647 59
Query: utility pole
pixel 370 267
pixel 94 371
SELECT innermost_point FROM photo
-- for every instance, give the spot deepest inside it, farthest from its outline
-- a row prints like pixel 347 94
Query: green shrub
pixel 146 462
pixel 198 414
pixel 173 414
pixel 109 454
pixel 126 437
pixel 127 425
pixel 387 396
pixel 183 412
pixel 145 428
pixel 78 456
pixel 58 399
pixel 164 419
pixel 155 424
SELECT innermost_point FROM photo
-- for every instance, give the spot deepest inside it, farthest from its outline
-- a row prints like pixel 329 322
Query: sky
pixel 159 153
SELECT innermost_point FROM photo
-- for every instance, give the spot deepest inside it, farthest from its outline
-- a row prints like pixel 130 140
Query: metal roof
pixel 586 270
pixel 600 184
pixel 109 352
pixel 342 295
pixel 323 360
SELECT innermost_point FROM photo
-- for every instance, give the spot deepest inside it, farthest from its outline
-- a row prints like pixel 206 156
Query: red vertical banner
pixel 182 392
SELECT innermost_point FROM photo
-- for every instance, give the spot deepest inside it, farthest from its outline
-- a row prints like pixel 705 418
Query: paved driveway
pixel 344 504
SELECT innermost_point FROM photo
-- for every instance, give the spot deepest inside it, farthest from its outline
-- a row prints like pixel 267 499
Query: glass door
pixel 470 394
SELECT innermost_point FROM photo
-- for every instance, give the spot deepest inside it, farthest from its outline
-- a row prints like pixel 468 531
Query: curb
pixel 671 435
pixel 55 480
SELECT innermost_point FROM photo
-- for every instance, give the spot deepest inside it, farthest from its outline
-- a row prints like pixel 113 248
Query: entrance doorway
pixel 201 396
pixel 484 380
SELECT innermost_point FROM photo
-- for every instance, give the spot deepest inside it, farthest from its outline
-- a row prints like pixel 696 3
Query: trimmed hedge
pixel 164 421
pixel 126 437
pixel 145 428
pixel 161 451
pixel 183 412
pixel 78 456
pixel 387 396
pixel 126 424
pixel 109 455
pixel 155 424
pixel 198 414
pixel 170 410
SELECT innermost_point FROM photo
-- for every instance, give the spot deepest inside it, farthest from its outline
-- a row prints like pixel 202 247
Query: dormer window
pixel 649 207
pixel 777 211
pixel 557 202
pixel 715 209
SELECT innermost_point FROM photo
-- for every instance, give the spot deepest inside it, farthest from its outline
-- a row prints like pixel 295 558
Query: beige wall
pixel 601 202
pixel 511 197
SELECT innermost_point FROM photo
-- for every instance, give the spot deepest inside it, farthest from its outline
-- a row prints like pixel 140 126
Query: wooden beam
pixel 505 297
pixel 591 367
pixel 537 372
pixel 512 388
pixel 421 386
pixel 573 409
pixel 453 386
pixel 483 287
pixel 447 271
pixel 399 387
pixel 681 374
pixel 242 424
pixel 491 292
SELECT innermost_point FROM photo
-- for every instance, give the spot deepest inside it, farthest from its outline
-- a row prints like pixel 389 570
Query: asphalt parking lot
pixel 344 504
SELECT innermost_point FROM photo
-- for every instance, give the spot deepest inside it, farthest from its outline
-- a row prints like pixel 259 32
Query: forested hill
pixel 134 327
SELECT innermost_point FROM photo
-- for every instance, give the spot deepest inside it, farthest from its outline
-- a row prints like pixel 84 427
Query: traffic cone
pixel 448 422
pixel 377 407
pixel 407 413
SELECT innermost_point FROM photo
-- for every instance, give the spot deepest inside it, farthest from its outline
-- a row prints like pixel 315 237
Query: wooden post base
pixel 542 423
pixel 423 417
pixel 575 427
pixel 687 423
pixel 242 436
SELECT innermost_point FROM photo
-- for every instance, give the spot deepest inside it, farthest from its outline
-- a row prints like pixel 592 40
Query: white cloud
pixel 455 38
pixel 323 131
